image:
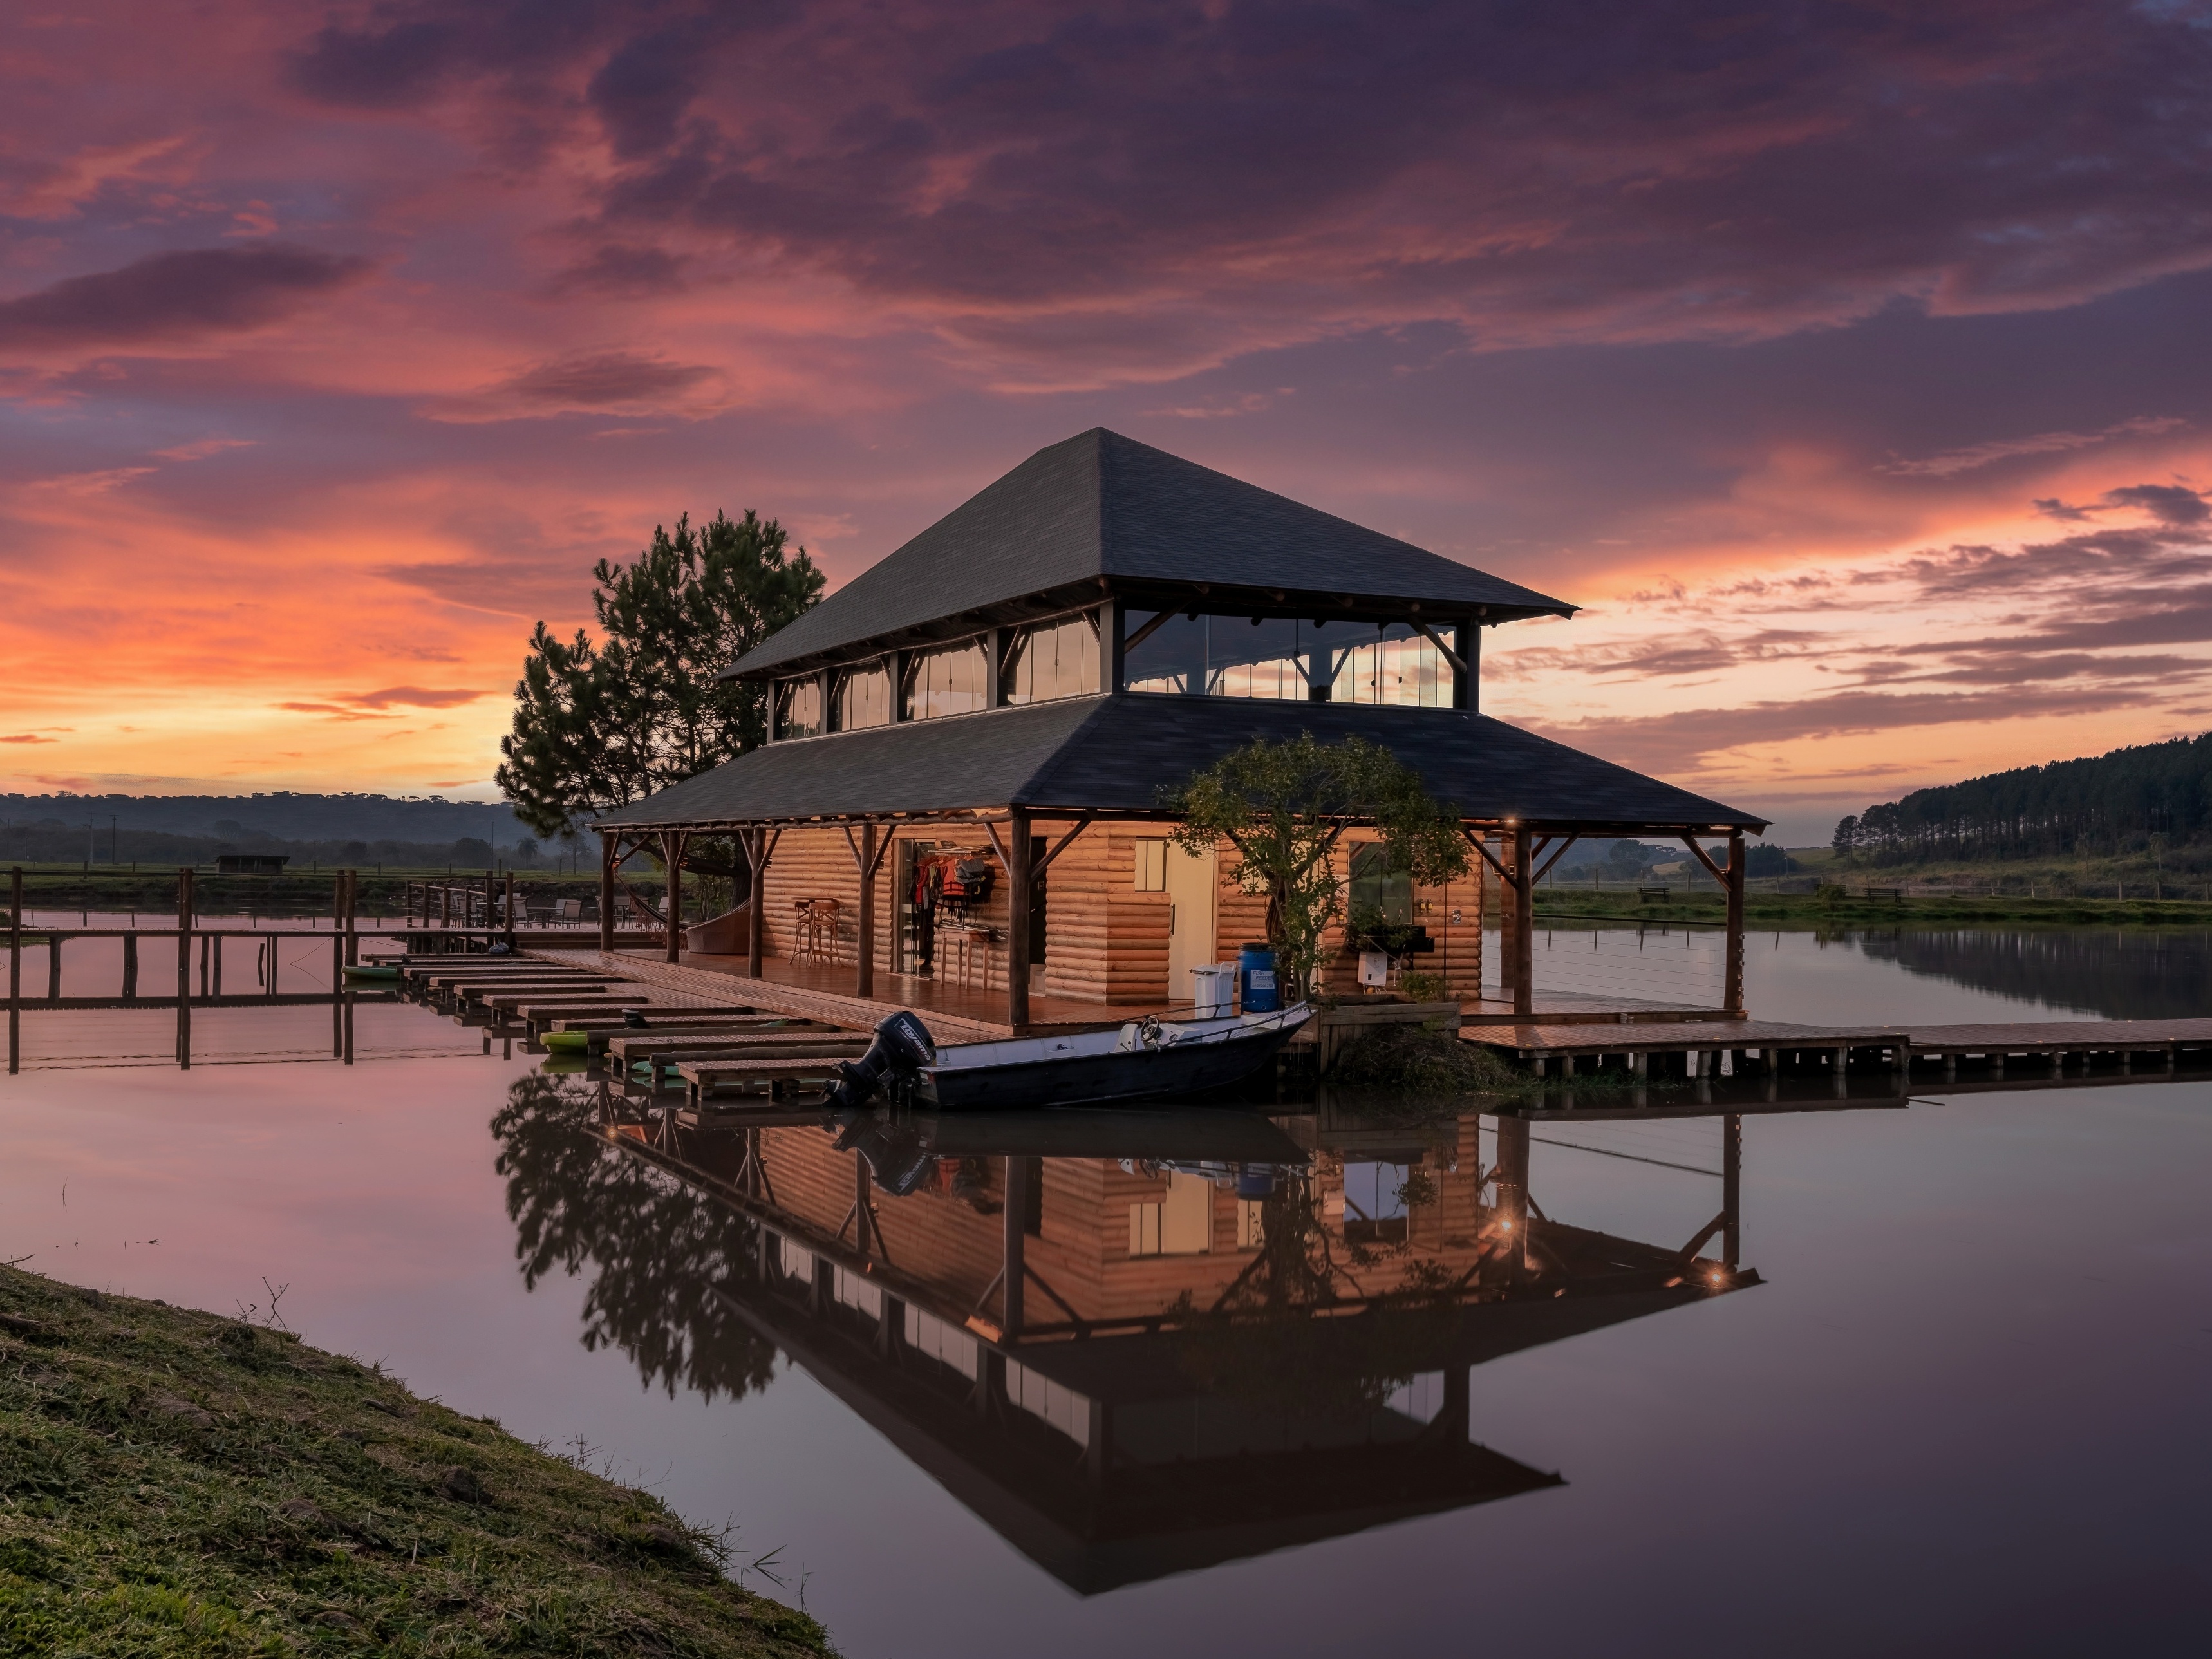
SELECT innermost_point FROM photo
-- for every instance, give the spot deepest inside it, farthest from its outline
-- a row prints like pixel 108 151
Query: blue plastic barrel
pixel 1257 992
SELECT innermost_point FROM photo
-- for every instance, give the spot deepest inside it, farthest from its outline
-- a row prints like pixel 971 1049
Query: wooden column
pixel 1017 919
pixel 1731 1190
pixel 1017 1209
pixel 863 970
pixel 1732 995
pixel 757 903
pixel 130 966
pixel 1524 900
pixel 671 852
pixel 14 969
pixel 185 967
pixel 353 918
pixel 606 890
pixel 509 896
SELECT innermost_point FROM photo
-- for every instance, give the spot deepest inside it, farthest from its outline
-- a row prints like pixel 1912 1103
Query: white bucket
pixel 1214 989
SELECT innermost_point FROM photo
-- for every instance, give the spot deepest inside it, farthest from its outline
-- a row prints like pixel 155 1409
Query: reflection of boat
pixel 1223 1135
pixel 1147 1059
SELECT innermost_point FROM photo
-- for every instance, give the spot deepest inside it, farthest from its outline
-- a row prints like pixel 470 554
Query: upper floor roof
pixel 1101 515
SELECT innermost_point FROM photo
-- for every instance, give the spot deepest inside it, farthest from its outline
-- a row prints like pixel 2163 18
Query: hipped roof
pixel 1112 755
pixel 1100 512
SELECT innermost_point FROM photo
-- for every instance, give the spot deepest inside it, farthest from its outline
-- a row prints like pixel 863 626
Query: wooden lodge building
pixel 959 807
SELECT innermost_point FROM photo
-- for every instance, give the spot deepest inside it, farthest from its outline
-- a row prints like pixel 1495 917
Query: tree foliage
pixel 2107 803
pixel 600 724
pixel 1283 805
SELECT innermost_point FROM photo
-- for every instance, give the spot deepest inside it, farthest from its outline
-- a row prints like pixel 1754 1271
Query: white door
pixel 1190 918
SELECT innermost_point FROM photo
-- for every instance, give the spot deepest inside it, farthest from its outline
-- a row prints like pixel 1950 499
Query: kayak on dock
pixel 1147 1059
pixel 382 973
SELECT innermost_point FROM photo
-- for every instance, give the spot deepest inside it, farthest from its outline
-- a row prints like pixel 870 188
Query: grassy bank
pixel 174 1482
pixel 1814 911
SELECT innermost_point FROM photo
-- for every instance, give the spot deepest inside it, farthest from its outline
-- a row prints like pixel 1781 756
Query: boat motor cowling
pixel 903 1045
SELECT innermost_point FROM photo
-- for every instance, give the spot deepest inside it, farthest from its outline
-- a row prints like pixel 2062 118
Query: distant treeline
pixel 432 821
pixel 2103 806
pixel 53 842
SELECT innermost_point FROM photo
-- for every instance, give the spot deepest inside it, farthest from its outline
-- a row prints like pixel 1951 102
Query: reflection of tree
pixel 1274 1339
pixel 657 1246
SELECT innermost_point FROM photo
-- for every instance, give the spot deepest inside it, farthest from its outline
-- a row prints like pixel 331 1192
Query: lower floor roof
pixel 1116 753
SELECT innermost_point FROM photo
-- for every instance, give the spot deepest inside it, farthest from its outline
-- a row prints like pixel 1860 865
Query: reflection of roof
pixel 1101 509
pixel 1097 1531
pixel 1114 753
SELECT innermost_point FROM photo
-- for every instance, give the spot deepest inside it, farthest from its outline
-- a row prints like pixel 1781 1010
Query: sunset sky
pixel 1848 364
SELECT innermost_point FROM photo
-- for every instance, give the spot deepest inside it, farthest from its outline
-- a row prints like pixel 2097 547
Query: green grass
pixel 178 1483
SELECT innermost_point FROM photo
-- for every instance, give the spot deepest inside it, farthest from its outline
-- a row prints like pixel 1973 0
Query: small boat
pixel 1147 1058
pixel 381 972
pixel 570 1042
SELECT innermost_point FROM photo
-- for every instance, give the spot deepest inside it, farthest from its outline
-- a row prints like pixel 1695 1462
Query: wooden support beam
pixel 184 908
pixel 1475 840
pixel 1145 632
pixel 1437 640
pixel 762 849
pixel 1060 846
pixel 1524 926
pixel 1545 869
pixel 1017 857
pixel 672 842
pixel 866 858
pixel 1732 987
pixel 606 891
pixel 1704 858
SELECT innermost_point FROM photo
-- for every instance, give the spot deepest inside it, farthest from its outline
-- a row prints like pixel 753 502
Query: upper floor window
pixel 799 707
pixel 863 697
pixel 1293 660
pixel 956 680
pixel 1046 660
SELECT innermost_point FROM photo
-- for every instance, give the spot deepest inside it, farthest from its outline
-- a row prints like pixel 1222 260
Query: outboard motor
pixel 902 1044
pixel 634 1019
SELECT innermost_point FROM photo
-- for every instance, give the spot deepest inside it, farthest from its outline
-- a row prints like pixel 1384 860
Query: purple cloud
pixel 199 291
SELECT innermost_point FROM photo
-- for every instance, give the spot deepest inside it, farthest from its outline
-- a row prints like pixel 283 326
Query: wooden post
pixel 130 966
pixel 184 908
pixel 510 909
pixel 1731 1190
pixel 1732 993
pixel 14 969
pixel 353 918
pixel 756 902
pixel 1017 1209
pixel 606 890
pixel 1524 926
pixel 1017 919
pixel 864 971
pixel 53 967
pixel 671 851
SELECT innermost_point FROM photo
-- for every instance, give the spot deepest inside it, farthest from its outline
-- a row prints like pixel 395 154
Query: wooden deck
pixel 1772 1041
pixel 824 992
pixel 1578 1008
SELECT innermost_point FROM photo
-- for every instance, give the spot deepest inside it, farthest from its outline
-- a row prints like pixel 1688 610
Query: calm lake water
pixel 1961 1409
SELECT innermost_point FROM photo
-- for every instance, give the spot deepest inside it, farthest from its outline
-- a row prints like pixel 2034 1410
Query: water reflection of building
pixel 1226 1334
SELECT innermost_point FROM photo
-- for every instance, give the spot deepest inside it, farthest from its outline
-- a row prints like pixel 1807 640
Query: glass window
pixel 954 681
pixel 864 698
pixel 1292 659
pixel 1152 867
pixel 799 707
pixel 1377 890
pixel 1053 659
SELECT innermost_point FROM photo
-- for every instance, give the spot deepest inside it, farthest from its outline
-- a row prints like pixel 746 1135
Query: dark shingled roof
pixel 1101 506
pixel 1112 754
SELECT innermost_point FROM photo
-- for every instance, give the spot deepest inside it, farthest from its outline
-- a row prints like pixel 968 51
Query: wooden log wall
pixel 1106 942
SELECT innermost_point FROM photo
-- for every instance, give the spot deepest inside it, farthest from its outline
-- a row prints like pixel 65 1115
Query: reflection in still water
pixel 1132 1343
